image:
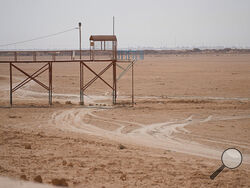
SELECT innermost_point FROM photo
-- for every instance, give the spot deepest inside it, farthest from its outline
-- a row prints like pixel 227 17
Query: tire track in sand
pixel 157 135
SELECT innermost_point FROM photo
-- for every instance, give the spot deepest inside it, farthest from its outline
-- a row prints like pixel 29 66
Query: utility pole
pixel 113 25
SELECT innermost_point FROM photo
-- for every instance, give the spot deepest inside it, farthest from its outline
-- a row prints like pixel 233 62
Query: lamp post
pixel 81 64
pixel 80 38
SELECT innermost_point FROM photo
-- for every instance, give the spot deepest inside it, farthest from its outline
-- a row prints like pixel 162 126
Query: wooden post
pixel 10 84
pixel 114 82
pixel 133 83
pixel 50 83
pixel 81 84
pixel 15 56
pixel 34 56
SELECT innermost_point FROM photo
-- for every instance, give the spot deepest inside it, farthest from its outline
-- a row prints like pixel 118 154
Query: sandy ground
pixel 189 109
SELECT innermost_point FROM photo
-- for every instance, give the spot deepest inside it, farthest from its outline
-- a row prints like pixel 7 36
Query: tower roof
pixel 103 38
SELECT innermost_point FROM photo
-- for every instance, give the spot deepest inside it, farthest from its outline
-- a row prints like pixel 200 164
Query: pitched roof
pixel 103 38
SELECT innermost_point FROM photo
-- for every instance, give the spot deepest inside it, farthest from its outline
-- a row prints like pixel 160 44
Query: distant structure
pixel 130 54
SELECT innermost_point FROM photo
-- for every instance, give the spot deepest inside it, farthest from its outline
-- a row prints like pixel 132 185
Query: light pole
pixel 81 64
pixel 80 38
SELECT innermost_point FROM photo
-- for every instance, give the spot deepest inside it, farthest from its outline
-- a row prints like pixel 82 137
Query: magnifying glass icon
pixel 231 158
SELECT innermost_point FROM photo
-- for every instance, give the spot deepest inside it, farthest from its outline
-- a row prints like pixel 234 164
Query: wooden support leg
pixel 114 83
pixel 50 83
pixel 81 84
pixel 132 83
pixel 10 84
pixel 115 86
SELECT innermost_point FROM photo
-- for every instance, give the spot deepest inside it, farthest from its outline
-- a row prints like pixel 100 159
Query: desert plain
pixel 188 109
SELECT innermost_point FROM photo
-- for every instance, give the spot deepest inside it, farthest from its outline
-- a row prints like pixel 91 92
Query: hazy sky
pixel 145 23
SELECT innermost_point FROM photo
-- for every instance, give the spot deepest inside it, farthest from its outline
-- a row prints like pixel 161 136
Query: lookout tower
pixel 103 47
